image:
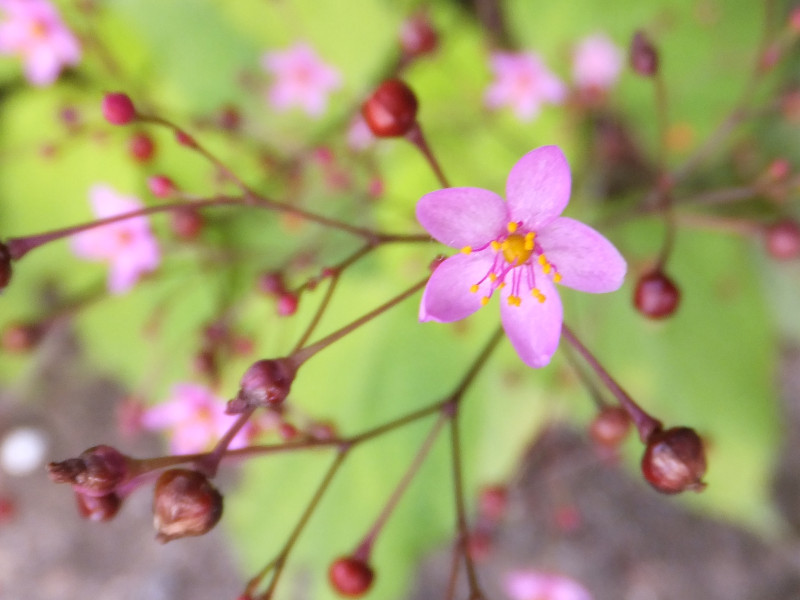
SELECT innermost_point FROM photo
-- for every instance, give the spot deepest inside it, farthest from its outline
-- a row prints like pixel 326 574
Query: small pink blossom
pixel 195 420
pixel 596 63
pixel 535 585
pixel 522 83
pixel 128 245
pixel 301 79
pixel 519 248
pixel 33 30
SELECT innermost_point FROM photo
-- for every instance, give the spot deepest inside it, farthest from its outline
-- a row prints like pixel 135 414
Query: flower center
pixel 517 248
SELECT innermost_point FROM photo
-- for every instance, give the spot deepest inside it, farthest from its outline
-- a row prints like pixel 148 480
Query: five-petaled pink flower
pixel 523 83
pixel 33 30
pixel 127 245
pixel 596 63
pixel 520 248
pixel 195 419
pixel 535 585
pixel 301 79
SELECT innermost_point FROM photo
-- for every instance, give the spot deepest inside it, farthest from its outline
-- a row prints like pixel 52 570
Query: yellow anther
pixel 467 250
pixel 557 277
pixel 529 240
pixel 537 294
pixel 512 227
pixel 501 286
pixel 484 300
pixel 474 288
pixel 546 268
pixel 542 260
pixel 496 246
pixel 514 301
pixel 492 277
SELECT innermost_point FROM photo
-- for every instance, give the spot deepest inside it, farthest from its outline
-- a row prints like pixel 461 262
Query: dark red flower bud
pixel 610 427
pixel 96 472
pixel 674 460
pixel 271 283
pixel 141 147
pixel 187 223
pixel 656 295
pixel 417 36
pixel 5 266
pixel 350 576
pixel 21 337
pixel 782 239
pixel 98 508
pixel 643 55
pixel 265 383
pixel 391 110
pixel 161 186
pixel 184 504
pixel 229 118
pixel 118 108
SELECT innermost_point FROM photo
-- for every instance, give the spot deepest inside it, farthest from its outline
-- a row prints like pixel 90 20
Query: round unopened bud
pixel 161 186
pixel 271 283
pixel 5 266
pixel 287 304
pixel 98 508
pixel 187 223
pixel 782 239
pixel 21 337
pixel 674 460
pixel 141 147
pixel 643 55
pixel 391 110
pixel 118 108
pixel 610 427
pixel 265 383
pixel 96 472
pixel 350 576
pixel 417 36
pixel 184 504
pixel 656 295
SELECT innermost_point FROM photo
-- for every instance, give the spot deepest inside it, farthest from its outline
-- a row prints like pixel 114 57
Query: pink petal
pixel 463 216
pixel 538 187
pixel 533 327
pixel 447 296
pixel 586 260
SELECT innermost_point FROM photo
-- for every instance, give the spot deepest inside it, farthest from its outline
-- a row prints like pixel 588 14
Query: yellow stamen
pixel 514 300
pixel 501 286
pixel 492 277
pixel 484 300
pixel 537 294
pixel 512 227
pixel 557 277
pixel 515 250
pixel 542 260
pixel 496 246
pixel 474 288
pixel 467 250
pixel 529 240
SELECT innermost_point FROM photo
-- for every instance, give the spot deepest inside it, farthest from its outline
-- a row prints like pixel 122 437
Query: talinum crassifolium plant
pixel 277 245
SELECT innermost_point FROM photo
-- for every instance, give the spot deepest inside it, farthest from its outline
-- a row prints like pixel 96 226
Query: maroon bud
pixel 96 472
pixel 674 461
pixel 610 427
pixel 782 239
pixel 643 55
pixel 493 502
pixel 271 283
pixel 98 508
pixel 5 266
pixel 118 108
pixel 229 118
pixel 184 504
pixel 187 223
pixel 351 576
pixel 265 383
pixel 161 186
pixel 391 110
pixel 287 304
pixel 141 147
pixel 656 295
pixel 417 36
pixel 21 337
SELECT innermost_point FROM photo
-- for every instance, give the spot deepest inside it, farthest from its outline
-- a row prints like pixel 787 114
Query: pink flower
pixel 128 246
pixel 522 83
pixel 597 63
pixel 520 248
pixel 300 79
pixel 195 419
pixel 534 585
pixel 33 29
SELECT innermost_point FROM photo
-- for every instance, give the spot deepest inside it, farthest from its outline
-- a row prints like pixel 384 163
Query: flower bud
pixel 5 266
pixel 656 295
pixel 118 108
pixel 21 337
pixel 184 504
pixel 351 576
pixel 782 239
pixel 287 304
pixel 187 223
pixel 141 147
pixel 161 186
pixel 391 110
pixel 610 427
pixel 674 460
pixel 96 472
pixel 643 55
pixel 265 383
pixel 417 36
pixel 98 508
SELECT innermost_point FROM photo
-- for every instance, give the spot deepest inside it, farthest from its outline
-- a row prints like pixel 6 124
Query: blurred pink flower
pixel 519 248
pixel 195 420
pixel 359 135
pixel 535 585
pixel 301 79
pixel 33 30
pixel 522 83
pixel 596 63
pixel 128 246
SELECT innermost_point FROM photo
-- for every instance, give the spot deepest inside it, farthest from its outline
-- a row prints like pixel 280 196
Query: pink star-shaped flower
pixel 535 585
pixel 301 79
pixel 33 30
pixel 523 83
pixel 128 246
pixel 195 419
pixel 596 63
pixel 520 248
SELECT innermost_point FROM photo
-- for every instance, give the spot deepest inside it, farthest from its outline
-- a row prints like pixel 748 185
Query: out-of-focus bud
pixel 351 576
pixel 643 55
pixel 161 186
pixel 782 239
pixel 187 223
pixel 493 502
pixel 418 36
pixel 674 461
pixel 265 383
pixel 98 508
pixel 21 337
pixel 610 427
pixel 5 266
pixel 656 295
pixel 391 110
pixel 118 108
pixel 287 304
pixel 98 471
pixel 184 504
